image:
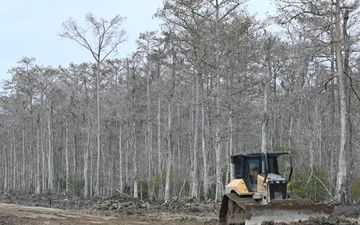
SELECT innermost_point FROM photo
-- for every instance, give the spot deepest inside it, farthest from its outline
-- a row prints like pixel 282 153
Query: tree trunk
pixel 67 166
pixel 204 152
pixel 149 134
pixel 194 167
pixel 50 151
pixel 219 188
pixel 98 130
pixel 38 159
pixel 265 127
pixel 347 70
pixel 135 169
pixel 121 185
pixel 134 139
pixel 169 155
pixel 43 155
pixel 86 161
pixel 14 163
pixel 6 169
pixel 159 152
pixel 23 179
pixel 340 192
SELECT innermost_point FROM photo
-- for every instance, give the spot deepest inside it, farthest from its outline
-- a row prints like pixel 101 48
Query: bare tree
pixel 341 176
pixel 107 36
pixel 265 128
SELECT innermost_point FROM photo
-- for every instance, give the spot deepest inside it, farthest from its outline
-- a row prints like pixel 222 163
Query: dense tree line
pixel 212 83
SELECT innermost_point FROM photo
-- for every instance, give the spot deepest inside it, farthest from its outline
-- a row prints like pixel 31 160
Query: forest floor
pixel 58 210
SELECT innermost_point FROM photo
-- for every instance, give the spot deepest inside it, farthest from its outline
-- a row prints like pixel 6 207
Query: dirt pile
pixel 50 201
pixel 178 209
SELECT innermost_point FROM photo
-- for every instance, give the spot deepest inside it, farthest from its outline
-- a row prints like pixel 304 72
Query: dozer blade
pixel 237 210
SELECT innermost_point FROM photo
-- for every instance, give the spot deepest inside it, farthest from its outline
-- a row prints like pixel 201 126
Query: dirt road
pixel 11 214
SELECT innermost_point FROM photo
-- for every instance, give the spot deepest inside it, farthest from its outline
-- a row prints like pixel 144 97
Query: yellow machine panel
pixel 237 185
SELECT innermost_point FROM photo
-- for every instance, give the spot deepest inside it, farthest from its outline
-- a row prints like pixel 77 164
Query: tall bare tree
pixel 107 36
pixel 340 192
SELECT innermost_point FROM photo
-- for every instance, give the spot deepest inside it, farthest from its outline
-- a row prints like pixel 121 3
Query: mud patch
pixel 348 211
pixel 331 220
pixel 7 220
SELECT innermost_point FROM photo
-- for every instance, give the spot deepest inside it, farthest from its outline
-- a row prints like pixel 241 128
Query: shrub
pixel 314 187
pixel 76 184
pixel 355 191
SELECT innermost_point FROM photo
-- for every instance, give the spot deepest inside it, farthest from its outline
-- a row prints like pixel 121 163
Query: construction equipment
pixel 260 192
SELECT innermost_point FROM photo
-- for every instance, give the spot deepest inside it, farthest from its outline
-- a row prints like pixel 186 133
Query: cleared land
pixel 119 210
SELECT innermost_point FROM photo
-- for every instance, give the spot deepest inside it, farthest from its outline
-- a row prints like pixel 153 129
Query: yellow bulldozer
pixel 260 192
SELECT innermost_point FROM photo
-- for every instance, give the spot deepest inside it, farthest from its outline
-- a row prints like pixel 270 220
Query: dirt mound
pixel 178 209
pixel 51 201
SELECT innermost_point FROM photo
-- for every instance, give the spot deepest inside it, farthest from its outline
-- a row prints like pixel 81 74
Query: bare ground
pixel 11 214
pixel 59 210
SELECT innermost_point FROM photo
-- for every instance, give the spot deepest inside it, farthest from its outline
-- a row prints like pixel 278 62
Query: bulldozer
pixel 261 192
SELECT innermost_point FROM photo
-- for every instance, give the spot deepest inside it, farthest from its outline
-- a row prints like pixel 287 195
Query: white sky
pixel 30 27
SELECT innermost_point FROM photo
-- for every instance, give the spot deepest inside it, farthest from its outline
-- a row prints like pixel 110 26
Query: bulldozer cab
pixel 248 167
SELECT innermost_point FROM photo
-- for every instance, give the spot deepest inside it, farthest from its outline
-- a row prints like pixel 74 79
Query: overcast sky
pixel 31 27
